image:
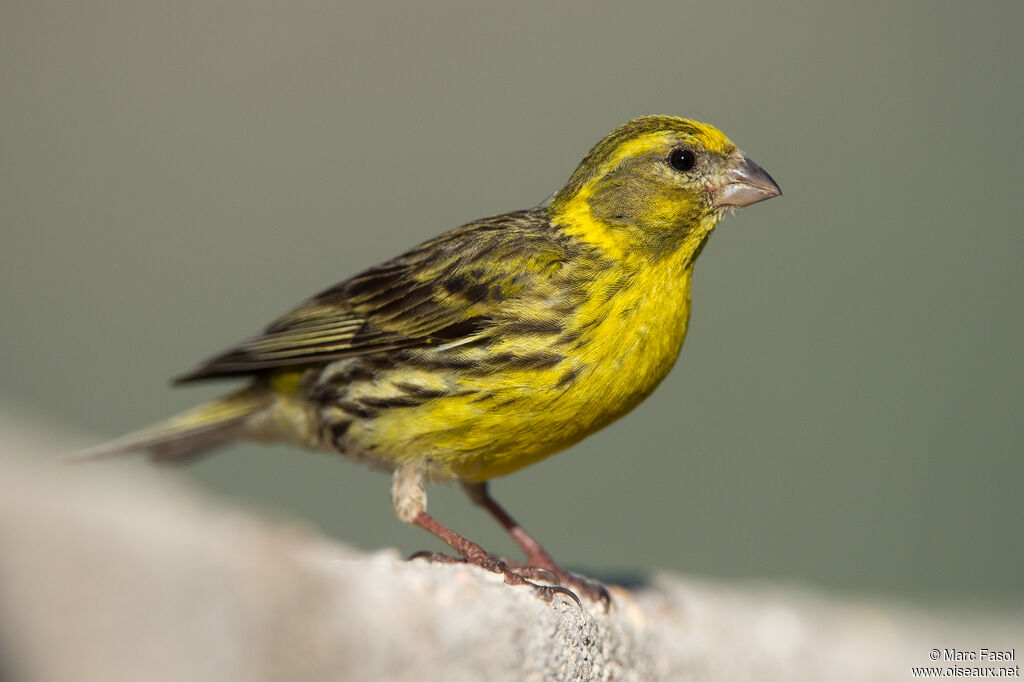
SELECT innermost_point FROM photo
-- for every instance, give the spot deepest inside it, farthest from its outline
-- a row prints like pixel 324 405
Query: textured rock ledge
pixel 120 576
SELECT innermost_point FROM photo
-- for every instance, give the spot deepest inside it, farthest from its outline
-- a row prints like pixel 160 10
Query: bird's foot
pixel 519 575
pixel 553 574
pixel 591 589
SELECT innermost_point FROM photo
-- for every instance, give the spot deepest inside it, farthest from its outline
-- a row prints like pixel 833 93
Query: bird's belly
pixel 491 424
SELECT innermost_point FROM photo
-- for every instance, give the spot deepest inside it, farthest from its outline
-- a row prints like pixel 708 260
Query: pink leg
pixel 472 553
pixel 536 556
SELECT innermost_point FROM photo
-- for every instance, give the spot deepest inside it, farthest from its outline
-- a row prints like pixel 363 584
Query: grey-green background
pixel 847 408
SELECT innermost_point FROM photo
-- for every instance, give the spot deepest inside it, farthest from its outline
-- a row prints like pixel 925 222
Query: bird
pixel 493 345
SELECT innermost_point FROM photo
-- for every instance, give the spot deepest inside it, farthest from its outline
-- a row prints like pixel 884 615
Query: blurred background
pixel 846 412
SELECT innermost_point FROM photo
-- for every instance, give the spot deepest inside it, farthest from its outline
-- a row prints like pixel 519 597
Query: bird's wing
pixel 445 290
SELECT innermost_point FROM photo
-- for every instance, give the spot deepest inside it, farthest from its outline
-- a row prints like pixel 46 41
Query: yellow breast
pixel 615 351
pixel 634 346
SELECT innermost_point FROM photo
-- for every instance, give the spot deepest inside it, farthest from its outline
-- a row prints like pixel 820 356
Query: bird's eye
pixel 682 160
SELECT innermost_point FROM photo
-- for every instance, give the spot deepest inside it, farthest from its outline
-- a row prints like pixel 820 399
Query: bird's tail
pixel 190 433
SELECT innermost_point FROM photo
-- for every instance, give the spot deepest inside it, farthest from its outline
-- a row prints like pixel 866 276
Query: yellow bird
pixel 493 345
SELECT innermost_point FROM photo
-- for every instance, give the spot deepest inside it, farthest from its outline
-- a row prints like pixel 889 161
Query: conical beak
pixel 744 183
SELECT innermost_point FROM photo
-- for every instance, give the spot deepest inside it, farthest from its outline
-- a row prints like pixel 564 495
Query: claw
pixel 547 592
pixel 592 590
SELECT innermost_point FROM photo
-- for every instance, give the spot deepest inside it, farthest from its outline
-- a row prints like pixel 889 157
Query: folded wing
pixel 451 288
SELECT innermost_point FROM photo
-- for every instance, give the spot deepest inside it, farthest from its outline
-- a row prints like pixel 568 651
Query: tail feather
pixel 188 434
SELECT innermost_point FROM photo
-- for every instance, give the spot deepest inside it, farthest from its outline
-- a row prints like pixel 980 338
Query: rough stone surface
pixel 114 575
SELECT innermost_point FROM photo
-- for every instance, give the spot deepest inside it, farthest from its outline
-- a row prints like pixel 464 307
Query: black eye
pixel 682 160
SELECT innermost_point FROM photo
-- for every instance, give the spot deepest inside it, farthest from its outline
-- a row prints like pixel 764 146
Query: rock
pixel 108 574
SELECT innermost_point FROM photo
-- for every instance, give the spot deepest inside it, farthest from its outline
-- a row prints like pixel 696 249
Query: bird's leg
pixel 410 501
pixel 536 556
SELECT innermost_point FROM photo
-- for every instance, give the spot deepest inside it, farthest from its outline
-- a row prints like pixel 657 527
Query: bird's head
pixel 657 182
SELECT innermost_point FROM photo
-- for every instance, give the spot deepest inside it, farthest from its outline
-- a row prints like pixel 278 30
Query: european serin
pixel 495 344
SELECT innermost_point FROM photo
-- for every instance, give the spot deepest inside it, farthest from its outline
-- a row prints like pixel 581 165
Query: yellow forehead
pixel 705 136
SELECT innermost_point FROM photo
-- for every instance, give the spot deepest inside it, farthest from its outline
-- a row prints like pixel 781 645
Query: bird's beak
pixel 743 183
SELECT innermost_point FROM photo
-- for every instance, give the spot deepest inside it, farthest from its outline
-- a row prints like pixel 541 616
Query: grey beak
pixel 744 183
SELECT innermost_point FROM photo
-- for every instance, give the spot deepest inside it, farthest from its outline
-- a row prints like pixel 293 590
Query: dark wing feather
pixel 441 291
